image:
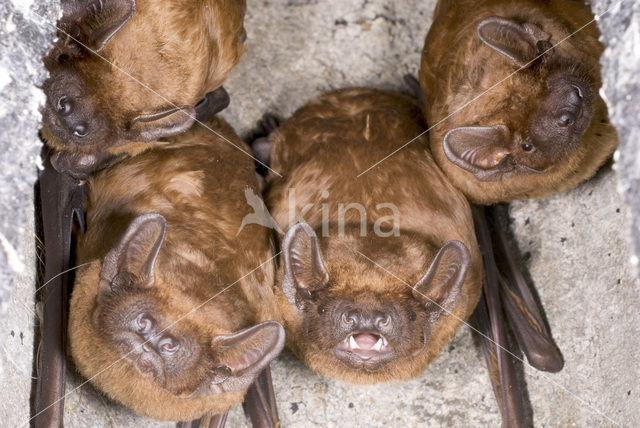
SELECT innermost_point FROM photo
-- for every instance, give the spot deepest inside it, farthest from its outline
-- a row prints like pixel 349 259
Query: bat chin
pixel 147 363
pixel 364 350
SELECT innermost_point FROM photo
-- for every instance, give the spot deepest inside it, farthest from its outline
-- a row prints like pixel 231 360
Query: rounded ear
pixel 240 357
pixel 520 42
pixel 97 20
pixel 439 289
pixel 135 254
pixel 304 270
pixel 481 150
pixel 151 127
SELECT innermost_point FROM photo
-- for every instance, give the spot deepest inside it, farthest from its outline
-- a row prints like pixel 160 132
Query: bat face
pixel 132 320
pixel 366 331
pixel 521 116
pixel 155 349
pixel 361 325
pixel 103 92
pixel 537 122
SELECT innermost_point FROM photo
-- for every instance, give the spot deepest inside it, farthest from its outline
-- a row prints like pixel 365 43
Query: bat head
pixel 115 79
pixel 533 121
pixel 356 322
pixel 170 358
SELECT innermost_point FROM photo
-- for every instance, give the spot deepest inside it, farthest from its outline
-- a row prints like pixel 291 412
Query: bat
pixel 541 131
pixel 121 75
pixel 175 316
pixel 345 317
pixel 512 97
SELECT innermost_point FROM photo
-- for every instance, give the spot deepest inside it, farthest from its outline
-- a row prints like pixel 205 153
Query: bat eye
pixel 143 324
pixel 412 316
pixel 527 147
pixel 322 309
pixel 168 345
pixel 566 119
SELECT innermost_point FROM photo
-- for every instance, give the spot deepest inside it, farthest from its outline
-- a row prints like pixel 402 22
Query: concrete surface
pixel 575 246
pixel 620 27
pixel 23 41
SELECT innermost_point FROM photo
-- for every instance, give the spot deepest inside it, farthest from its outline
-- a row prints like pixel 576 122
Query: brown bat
pixel 512 96
pixel 127 71
pixel 346 317
pixel 175 316
pixel 542 130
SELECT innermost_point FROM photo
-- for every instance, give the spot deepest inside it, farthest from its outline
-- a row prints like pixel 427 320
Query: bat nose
pixel 64 106
pixel 72 117
pixel 80 129
pixel 355 319
pixel 350 319
pixel 381 320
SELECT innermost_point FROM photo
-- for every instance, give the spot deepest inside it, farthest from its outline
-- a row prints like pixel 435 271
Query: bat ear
pixel 304 270
pixel 519 42
pixel 97 20
pixel 135 255
pixel 242 356
pixel 439 289
pixel 151 127
pixel 481 150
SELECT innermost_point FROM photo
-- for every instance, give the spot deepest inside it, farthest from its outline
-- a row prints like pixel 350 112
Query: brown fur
pixel 321 148
pixel 179 49
pixel 198 184
pixel 457 66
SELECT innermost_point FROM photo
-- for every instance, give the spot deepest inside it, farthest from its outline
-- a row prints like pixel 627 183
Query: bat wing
pixel 521 308
pixel 62 200
pixel 491 323
pixel 260 402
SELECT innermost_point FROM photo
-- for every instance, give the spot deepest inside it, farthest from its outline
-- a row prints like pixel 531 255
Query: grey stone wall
pixel 620 27
pixel 24 38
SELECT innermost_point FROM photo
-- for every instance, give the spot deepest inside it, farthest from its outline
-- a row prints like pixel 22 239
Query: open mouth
pixel 364 349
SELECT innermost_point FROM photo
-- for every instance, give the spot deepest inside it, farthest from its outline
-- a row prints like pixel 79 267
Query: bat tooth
pixel 352 343
pixel 384 342
pixel 378 345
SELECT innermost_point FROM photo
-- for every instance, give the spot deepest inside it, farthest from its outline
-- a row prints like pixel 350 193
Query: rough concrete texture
pixel 22 45
pixel 620 27
pixel 23 41
pixel 574 243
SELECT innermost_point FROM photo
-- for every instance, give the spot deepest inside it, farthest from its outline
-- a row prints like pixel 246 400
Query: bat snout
pixel 365 344
pixel 354 319
pixel 71 117
pixel 71 114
